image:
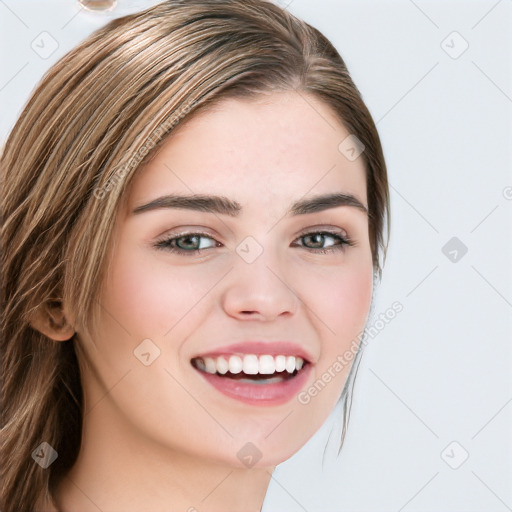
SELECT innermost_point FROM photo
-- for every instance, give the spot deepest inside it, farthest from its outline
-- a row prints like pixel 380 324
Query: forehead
pixel 260 153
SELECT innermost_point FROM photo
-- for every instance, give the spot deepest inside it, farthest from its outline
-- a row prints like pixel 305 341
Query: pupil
pixel 191 245
pixel 319 237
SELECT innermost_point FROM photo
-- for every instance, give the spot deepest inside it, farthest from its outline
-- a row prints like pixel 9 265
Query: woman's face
pixel 273 277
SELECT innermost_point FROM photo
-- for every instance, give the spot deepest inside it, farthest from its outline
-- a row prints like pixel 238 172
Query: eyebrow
pixel 225 206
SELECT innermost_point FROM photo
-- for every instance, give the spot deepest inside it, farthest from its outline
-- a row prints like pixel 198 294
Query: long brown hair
pixel 96 117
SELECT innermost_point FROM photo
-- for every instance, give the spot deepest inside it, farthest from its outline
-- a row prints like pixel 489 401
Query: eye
pixel 325 241
pixel 187 243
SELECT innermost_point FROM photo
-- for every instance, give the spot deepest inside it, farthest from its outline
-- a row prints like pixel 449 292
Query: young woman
pixel 194 207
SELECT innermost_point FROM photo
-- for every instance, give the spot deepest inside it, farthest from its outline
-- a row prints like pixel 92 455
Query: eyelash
pixel 165 244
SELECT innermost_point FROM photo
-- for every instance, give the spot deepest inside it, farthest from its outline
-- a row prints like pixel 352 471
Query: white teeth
pixel 280 363
pixel 267 365
pixel 222 365
pixel 250 364
pixel 290 364
pixel 235 364
pixel 210 365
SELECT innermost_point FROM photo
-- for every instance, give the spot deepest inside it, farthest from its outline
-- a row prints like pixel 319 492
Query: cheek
pixel 340 299
pixel 150 297
pixel 349 301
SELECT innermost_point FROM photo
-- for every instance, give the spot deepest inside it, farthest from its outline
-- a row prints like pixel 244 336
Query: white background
pixel 440 372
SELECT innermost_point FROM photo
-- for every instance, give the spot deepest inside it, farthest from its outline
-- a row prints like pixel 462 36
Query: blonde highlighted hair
pixel 97 116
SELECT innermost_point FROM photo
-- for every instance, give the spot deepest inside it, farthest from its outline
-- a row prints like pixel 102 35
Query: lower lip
pixel 259 394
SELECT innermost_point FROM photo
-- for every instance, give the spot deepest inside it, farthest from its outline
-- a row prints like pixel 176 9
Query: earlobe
pixel 51 321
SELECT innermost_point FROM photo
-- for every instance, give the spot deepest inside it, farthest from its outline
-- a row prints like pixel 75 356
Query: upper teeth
pixel 250 364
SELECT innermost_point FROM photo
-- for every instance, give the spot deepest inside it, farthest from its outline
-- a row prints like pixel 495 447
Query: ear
pixel 50 320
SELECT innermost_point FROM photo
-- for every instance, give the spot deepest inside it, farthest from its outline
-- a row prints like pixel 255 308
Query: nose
pixel 258 291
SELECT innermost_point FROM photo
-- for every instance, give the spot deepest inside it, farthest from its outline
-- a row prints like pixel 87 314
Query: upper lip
pixel 272 348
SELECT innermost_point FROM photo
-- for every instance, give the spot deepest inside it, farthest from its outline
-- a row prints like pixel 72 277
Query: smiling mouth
pixel 252 369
